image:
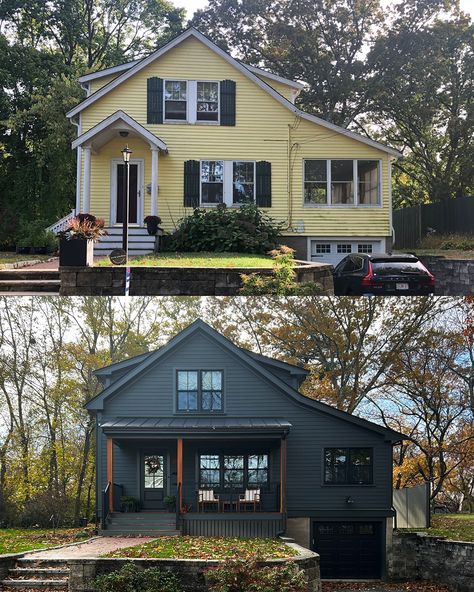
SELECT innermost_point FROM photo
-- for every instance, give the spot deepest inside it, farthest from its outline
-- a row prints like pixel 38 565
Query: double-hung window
pixel 348 466
pixel 207 103
pixel 199 391
pixel 341 182
pixel 227 182
pixel 175 96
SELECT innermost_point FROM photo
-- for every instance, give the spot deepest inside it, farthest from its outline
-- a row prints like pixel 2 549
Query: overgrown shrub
pixel 248 576
pixel 34 234
pixel 446 242
pixel 244 230
pixel 130 578
pixel 46 509
pixel 282 282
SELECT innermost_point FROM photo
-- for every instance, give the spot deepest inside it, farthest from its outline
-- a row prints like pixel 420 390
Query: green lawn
pixel 459 527
pixel 203 259
pixel 16 540
pixel 10 257
pixel 188 547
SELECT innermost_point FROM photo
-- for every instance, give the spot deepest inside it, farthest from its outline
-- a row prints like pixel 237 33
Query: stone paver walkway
pixel 91 548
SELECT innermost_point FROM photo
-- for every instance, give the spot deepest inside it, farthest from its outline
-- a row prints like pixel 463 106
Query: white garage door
pixel 332 251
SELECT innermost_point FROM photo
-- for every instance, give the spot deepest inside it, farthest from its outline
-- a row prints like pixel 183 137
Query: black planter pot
pixel 23 250
pixel 76 253
pixel 152 228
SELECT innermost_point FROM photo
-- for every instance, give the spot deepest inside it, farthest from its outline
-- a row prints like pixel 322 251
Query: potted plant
pixel 152 223
pixel 76 245
pixel 129 503
pixel 170 502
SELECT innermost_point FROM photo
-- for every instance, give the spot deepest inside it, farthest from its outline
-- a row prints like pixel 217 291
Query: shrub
pixel 244 230
pixel 445 242
pixel 132 579
pixel 281 282
pixel 34 234
pixel 248 576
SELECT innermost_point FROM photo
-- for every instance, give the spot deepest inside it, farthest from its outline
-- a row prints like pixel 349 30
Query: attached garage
pixel 349 550
pixel 329 250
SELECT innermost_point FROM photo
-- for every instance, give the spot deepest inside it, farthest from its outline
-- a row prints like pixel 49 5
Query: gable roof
pixel 200 326
pixel 245 70
pixel 122 67
pixel 119 118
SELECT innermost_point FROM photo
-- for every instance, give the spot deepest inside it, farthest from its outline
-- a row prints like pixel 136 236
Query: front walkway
pixel 91 548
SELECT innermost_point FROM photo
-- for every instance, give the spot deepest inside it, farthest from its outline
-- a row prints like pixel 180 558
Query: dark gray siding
pixel 249 394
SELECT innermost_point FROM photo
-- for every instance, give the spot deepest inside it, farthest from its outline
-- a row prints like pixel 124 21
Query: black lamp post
pixel 126 152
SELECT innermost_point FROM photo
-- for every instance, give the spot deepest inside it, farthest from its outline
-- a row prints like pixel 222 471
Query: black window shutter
pixel 154 100
pixel 264 184
pixel 191 183
pixel 227 102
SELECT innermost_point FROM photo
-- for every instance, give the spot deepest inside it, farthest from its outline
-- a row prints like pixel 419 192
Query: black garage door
pixel 349 550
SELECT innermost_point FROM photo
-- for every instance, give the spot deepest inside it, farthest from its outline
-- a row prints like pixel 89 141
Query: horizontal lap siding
pixel 232 528
pixel 248 395
pixel 261 133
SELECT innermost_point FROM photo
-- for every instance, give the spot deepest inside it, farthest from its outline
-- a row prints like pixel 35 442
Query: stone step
pixel 34 584
pixel 29 286
pixel 51 573
pixel 36 563
pixel 34 274
pixel 132 231
pixel 139 531
pixel 132 238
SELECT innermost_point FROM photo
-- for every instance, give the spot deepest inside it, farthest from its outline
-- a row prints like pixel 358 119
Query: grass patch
pixel 17 540
pixel 459 527
pixel 202 259
pixel 188 547
pixel 10 257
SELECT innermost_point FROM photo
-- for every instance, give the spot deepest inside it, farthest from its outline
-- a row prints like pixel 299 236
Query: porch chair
pixel 207 497
pixel 251 498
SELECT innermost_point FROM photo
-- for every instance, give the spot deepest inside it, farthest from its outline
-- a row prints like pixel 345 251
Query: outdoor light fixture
pixel 123 133
pixel 349 500
pixel 126 154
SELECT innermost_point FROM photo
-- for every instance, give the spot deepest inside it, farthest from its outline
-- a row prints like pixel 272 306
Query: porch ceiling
pixel 188 425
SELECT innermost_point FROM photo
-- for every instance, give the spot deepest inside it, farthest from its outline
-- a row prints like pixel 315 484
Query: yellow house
pixel 206 129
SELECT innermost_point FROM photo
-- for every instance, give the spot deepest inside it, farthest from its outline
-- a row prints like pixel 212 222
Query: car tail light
pixel 431 277
pixel 368 280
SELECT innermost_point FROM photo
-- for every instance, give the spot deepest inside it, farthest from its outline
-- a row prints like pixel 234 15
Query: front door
pixel 120 192
pixel 153 481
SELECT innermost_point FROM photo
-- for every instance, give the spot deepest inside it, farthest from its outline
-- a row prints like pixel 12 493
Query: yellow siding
pixel 263 129
pixel 280 87
pixel 100 82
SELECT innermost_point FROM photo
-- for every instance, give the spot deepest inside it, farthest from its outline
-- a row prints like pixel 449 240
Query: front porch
pixel 220 486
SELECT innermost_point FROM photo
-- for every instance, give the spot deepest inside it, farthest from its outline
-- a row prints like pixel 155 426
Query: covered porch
pixel 227 476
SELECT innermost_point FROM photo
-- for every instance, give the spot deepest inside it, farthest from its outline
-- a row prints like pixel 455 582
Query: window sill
pixel 182 122
pixel 349 485
pixel 341 206
pixel 203 413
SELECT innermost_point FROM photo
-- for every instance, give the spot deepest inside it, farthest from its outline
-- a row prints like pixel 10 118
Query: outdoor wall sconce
pixel 349 500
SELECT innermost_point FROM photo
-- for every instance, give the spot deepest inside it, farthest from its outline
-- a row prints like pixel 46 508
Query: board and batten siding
pixel 263 131
pixel 247 394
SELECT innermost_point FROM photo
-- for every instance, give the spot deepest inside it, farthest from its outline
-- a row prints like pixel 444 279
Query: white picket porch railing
pixel 61 225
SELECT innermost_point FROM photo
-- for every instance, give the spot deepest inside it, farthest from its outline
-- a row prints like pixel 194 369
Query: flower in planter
pixel 85 227
pixel 152 223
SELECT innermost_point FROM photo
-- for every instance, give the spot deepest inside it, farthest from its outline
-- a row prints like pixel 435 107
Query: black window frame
pixel 349 451
pixel 200 409
pixel 222 469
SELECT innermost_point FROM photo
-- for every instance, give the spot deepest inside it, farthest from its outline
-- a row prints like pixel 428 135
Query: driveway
pixel 91 548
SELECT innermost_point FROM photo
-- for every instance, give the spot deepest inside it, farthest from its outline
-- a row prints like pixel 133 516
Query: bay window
pixel 341 182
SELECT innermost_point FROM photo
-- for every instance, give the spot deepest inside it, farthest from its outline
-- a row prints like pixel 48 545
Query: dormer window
pixel 199 391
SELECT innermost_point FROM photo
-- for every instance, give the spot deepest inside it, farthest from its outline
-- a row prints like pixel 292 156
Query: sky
pixel 192 5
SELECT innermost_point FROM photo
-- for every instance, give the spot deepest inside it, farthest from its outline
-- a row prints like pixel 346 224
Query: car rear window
pixel 397 267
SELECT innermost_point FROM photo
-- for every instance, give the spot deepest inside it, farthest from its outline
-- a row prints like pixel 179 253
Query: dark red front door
pixel 122 194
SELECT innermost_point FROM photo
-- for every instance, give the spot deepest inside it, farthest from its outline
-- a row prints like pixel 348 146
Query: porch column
pixel 179 471
pixel 154 182
pixel 87 180
pixel 110 472
pixel 283 475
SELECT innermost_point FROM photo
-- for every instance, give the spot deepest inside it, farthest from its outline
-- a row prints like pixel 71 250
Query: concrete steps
pixel 139 241
pixel 34 281
pixel 141 523
pixel 37 574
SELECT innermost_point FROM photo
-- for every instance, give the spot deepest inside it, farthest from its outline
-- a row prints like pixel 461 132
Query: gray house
pixel 225 433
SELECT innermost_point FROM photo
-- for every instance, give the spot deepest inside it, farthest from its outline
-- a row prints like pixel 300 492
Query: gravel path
pixel 91 548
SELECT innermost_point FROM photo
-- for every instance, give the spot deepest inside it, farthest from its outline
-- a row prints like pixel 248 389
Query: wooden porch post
pixel 110 472
pixel 283 475
pixel 180 472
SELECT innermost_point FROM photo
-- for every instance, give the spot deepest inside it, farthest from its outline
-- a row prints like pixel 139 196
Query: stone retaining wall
pixel 83 572
pixel 454 277
pixel 177 281
pixel 417 556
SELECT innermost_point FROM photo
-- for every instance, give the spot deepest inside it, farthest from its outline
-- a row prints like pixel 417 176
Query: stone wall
pixel 177 281
pixel 84 571
pixel 417 556
pixel 454 277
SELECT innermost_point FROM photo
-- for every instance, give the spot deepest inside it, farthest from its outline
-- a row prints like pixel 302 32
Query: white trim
pixel 107 71
pixel 227 181
pixel 191 103
pixel 243 69
pixel 87 180
pixel 140 189
pixel 345 239
pixel 275 77
pixel 153 140
pixel 154 182
pixel 356 203
pixel 165 120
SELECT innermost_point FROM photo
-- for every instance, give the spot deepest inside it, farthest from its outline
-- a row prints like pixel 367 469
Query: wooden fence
pixel 445 217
